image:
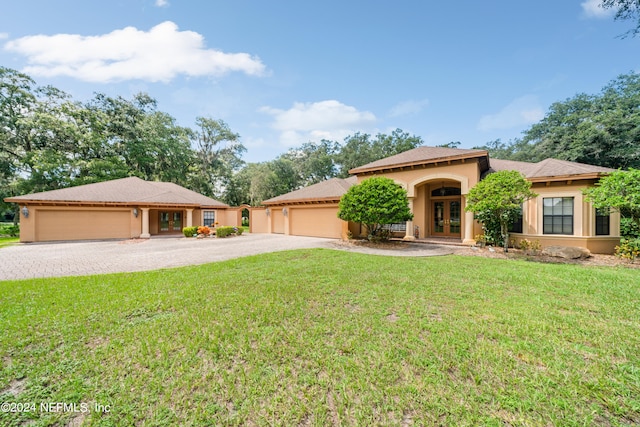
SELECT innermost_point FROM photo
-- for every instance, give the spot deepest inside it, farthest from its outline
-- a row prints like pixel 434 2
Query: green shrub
pixel 629 228
pixel 224 231
pixel 238 230
pixel 190 231
pixel 10 230
pixel 629 249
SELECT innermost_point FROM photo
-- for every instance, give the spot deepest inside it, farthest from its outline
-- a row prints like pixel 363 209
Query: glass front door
pixel 170 221
pixel 447 216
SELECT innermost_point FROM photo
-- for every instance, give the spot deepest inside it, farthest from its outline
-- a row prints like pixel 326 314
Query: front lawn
pixel 6 241
pixel 321 337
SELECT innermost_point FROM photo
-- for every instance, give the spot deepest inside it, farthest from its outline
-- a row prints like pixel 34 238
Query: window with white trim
pixel 557 215
pixel 208 218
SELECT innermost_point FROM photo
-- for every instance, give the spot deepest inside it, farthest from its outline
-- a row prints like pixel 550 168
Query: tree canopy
pixel 374 203
pixel 498 199
pixel 625 10
pixel 619 190
pixel 601 129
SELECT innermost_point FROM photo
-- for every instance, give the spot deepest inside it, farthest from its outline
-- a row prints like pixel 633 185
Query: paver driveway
pixel 24 261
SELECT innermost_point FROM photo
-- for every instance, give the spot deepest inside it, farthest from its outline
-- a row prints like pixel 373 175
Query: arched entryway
pixel 437 202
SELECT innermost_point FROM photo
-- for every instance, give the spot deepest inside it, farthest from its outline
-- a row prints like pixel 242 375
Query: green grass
pixel 6 241
pixel 321 337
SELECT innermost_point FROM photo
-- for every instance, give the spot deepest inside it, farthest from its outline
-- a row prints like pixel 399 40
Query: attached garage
pixel 67 224
pixel 315 221
pixel 311 211
pixel 118 209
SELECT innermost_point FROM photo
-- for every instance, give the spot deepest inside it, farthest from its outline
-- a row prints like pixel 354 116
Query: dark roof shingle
pixel 420 155
pixel 329 190
pixel 125 190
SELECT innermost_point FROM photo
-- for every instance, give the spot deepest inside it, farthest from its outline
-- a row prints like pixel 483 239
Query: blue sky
pixel 282 73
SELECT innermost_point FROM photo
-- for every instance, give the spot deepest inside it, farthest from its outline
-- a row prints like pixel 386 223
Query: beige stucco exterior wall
pixel 420 181
pixel 277 220
pixel 584 228
pixel 258 222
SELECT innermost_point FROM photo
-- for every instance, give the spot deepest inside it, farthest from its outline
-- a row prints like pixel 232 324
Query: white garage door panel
pixel 82 225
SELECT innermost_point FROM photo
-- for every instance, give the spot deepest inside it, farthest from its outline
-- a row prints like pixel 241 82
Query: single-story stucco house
pixel 437 180
pixel 117 209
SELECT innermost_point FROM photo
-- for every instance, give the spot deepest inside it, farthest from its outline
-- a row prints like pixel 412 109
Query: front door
pixel 170 221
pixel 447 216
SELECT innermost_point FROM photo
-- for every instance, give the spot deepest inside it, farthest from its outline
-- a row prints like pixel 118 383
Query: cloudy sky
pixel 282 73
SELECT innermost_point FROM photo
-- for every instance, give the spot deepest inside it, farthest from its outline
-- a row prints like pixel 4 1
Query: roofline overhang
pixel 362 170
pixel 574 177
pixel 324 200
pixel 35 202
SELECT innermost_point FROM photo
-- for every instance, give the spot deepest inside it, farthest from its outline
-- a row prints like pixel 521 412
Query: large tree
pixel 360 149
pixel 620 191
pixel 218 154
pixel 625 10
pixel 601 129
pixel 498 199
pixel 374 203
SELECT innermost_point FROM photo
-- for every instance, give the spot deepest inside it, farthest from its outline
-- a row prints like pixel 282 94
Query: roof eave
pixel 309 200
pixel 362 170
pixel 573 177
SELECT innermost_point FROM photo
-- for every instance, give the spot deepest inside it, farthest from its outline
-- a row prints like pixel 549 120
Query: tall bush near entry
pixel 498 198
pixel 373 203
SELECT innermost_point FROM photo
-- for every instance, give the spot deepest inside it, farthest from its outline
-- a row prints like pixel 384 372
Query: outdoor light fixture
pixel 285 212
pixel 268 211
pixel 442 190
pixel 25 212
pixel 135 212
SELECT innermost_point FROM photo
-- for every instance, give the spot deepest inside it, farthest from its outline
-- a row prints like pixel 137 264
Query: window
pixel 446 191
pixel 516 226
pixel 602 222
pixel 208 218
pixel 557 215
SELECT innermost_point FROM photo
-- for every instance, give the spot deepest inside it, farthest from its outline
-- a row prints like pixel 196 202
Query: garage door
pixel 278 221
pixel 82 225
pixel 316 222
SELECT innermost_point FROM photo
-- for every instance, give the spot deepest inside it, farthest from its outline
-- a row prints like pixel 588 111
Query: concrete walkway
pixel 26 261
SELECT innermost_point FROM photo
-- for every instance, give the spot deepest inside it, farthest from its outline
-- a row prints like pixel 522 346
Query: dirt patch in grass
pixel 517 254
pixel 16 387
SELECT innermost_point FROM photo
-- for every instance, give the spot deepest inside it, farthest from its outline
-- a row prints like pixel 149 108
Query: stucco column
pixel 286 211
pixel 408 235
pixel 189 218
pixel 468 225
pixel 145 224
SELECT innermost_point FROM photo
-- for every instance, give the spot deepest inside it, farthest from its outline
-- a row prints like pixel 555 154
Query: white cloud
pixel 162 3
pixel 592 9
pixel 4 36
pixel 525 110
pixel 408 108
pixel 318 120
pixel 159 54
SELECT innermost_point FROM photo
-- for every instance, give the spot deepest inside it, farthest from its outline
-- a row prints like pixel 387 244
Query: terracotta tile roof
pixel 130 190
pixel 548 169
pixel 420 155
pixel 329 190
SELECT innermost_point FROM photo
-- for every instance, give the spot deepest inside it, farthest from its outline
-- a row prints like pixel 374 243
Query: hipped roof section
pixel 422 156
pixel 330 190
pixel 128 191
pixel 550 169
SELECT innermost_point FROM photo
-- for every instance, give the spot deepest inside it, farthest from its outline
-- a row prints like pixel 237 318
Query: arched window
pixel 446 191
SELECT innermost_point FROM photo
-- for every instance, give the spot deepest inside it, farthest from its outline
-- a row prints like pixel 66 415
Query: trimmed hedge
pixel 228 231
pixel 190 231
